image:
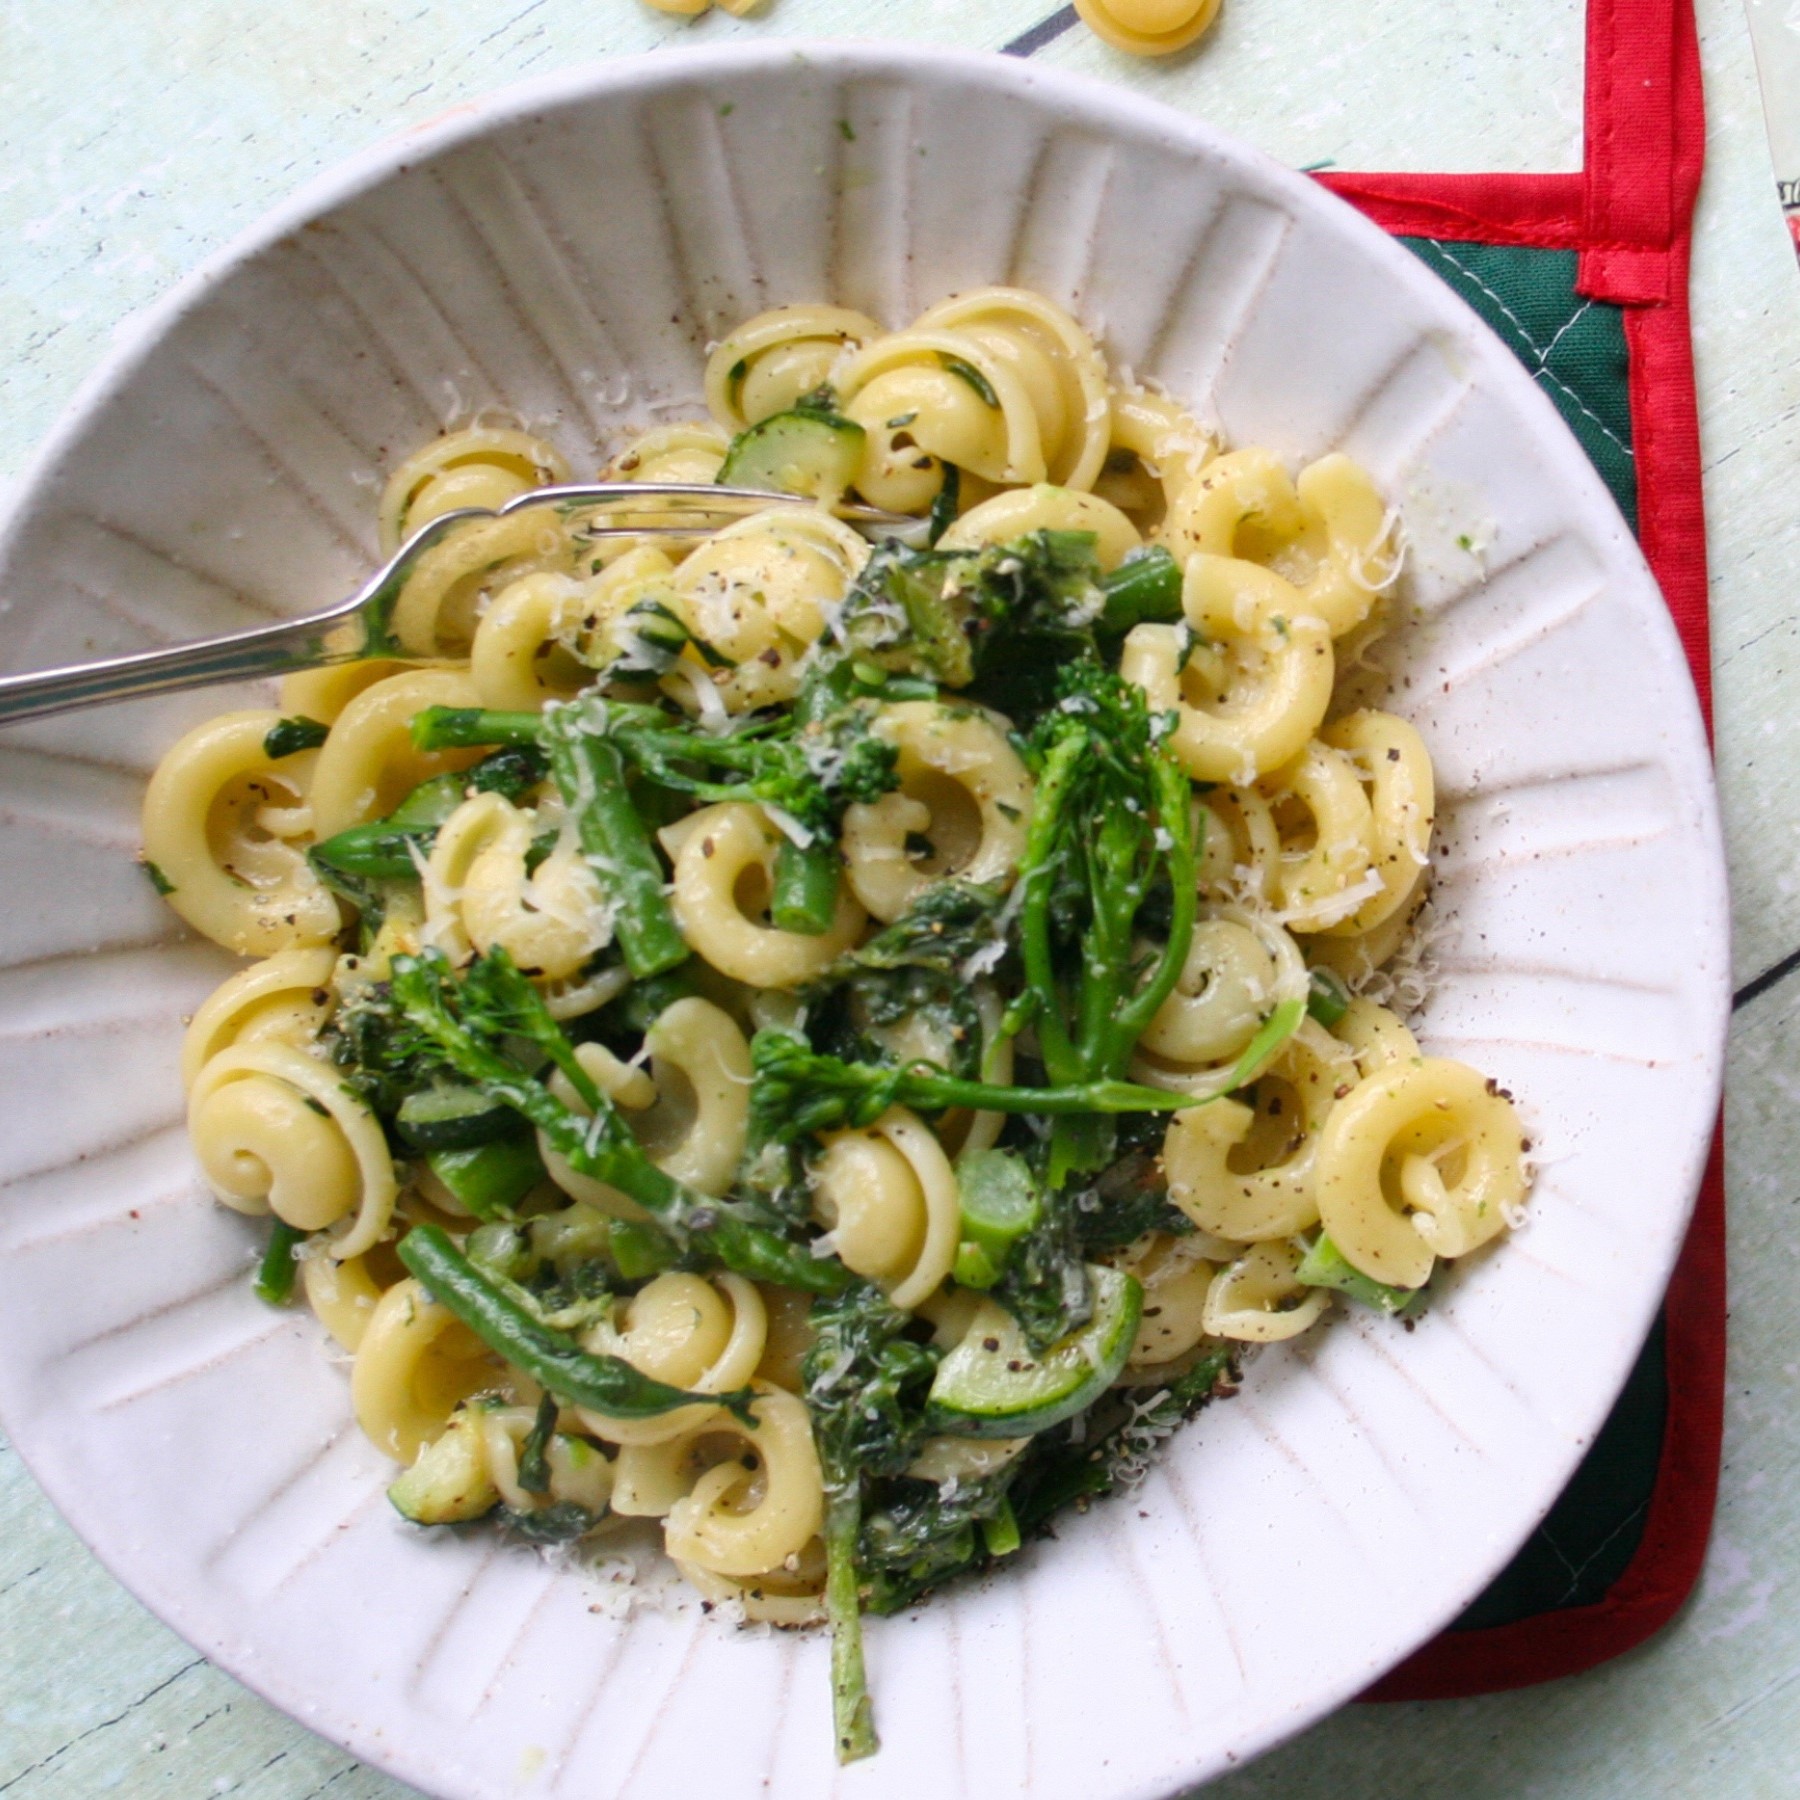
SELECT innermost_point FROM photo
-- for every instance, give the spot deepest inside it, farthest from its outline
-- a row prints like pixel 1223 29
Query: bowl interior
pixel 564 254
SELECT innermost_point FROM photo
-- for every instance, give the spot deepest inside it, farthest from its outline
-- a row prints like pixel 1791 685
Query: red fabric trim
pixel 1665 441
pixel 1541 210
pixel 1629 214
pixel 1630 152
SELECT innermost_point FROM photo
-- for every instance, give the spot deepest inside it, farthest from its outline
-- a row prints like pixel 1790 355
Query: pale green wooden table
pixel 135 138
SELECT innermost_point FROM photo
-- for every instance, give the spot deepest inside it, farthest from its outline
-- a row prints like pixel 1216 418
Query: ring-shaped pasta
pixel 724 874
pixel 889 1197
pixel 693 451
pixel 1280 1135
pixel 482 466
pixel 791 1599
pixel 1148 27
pixel 952 419
pixel 701 1333
pixel 689 452
pixel 1259 1299
pixel 223 825
pixel 285 996
pixel 1374 1036
pixel 1433 1136
pixel 958 1129
pixel 899 469
pixel 778 357
pixel 1396 769
pixel 1242 505
pixel 1057 363
pixel 276 1130
pixel 343 1295
pixel 1327 536
pixel 415 1364
pixel 436 610
pixel 368 764
pixel 625 1086
pixel 649 1478
pixel 758 593
pixel 524 652
pixel 1250 695
pixel 1327 839
pixel 696 1126
pixel 577 995
pixel 323 694
pixel 1224 990
pixel 1368 959
pixel 606 629
pixel 1351 541
pixel 1171 445
pixel 479 894
pixel 1176 1280
pixel 1045 508
pixel 579 1475
pixel 1236 992
pixel 738 1522
pixel 963 790
pixel 1239 846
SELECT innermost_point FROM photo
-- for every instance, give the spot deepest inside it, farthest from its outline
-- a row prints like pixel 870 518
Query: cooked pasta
pixel 1145 27
pixel 807 1050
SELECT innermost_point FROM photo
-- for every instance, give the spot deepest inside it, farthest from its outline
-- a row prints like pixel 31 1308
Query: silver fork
pixel 303 643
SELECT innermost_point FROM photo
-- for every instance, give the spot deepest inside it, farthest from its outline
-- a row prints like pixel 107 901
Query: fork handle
pixel 274 649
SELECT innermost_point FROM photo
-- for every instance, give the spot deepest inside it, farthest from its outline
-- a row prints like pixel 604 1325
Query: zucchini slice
pixel 991 1386
pixel 813 453
pixel 449 1484
pixel 449 1116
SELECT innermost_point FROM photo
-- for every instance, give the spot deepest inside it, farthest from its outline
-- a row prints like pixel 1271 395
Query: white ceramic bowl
pixel 564 252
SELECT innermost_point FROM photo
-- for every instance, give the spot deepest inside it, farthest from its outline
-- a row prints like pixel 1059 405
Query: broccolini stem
pixel 1061 1062
pixel 616 842
pixel 805 891
pixel 1172 793
pixel 556 1362
pixel 275 1274
pixel 469 727
pixel 1146 587
pixel 798 1091
pixel 852 1713
pixel 590 774
pixel 601 1146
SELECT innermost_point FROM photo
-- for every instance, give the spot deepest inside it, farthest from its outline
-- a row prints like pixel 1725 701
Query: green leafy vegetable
pixel 926 1532
pixel 288 737
pixel 534 1453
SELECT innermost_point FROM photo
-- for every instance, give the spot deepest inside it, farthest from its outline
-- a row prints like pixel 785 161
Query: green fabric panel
pixel 1594 1529
pixel 1574 348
